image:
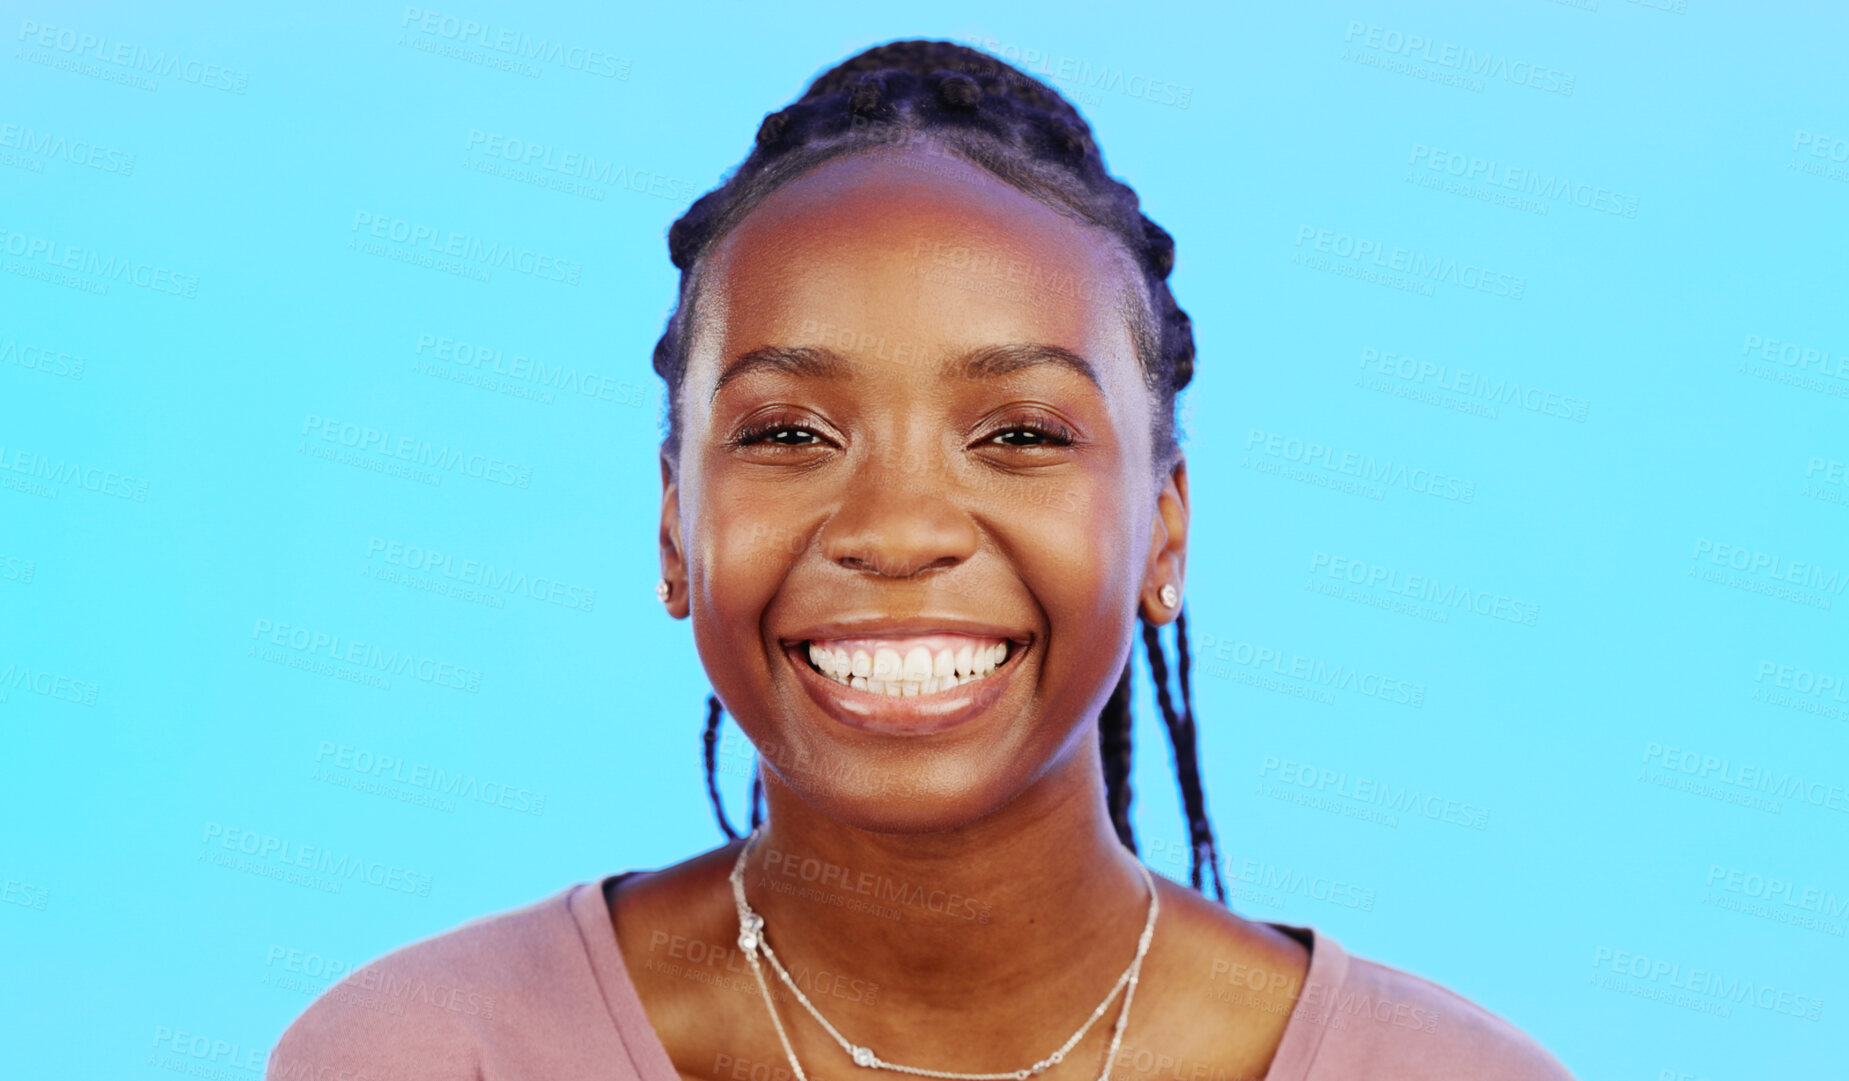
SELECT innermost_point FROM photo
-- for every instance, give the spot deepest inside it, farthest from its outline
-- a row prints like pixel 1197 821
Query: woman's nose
pixel 899 517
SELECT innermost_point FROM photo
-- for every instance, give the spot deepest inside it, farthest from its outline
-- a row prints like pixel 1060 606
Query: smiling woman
pixel 920 495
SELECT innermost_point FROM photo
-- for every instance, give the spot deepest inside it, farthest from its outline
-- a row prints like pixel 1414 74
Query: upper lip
pixel 914 627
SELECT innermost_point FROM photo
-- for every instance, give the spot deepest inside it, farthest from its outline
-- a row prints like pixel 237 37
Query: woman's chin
pixel 908 797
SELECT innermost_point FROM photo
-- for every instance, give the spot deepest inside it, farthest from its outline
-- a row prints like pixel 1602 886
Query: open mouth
pixel 908 667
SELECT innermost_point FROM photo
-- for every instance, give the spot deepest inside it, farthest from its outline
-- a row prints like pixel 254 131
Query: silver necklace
pixel 752 942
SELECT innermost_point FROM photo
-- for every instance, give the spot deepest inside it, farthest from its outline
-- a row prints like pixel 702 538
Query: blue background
pixel 146 714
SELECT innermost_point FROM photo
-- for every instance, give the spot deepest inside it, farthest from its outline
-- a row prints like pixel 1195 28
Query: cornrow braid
pixel 709 737
pixel 1114 749
pixel 709 740
pixel 1183 742
pixel 948 98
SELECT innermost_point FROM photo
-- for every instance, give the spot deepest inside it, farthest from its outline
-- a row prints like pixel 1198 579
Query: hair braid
pixel 709 739
pixel 1181 737
pixel 1114 749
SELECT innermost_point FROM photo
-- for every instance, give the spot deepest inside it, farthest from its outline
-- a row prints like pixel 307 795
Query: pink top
pixel 542 993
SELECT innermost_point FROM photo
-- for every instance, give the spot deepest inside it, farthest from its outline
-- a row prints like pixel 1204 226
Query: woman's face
pixel 914 428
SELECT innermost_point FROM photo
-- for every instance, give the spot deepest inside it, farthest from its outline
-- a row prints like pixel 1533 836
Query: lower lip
pixel 900 715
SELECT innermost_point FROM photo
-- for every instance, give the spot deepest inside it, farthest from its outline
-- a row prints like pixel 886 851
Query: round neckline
pixel 590 907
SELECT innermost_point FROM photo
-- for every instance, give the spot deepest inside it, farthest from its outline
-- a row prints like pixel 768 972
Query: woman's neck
pixel 959 918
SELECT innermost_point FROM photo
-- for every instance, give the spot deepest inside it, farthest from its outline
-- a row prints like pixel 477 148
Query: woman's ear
pixel 1163 577
pixel 673 556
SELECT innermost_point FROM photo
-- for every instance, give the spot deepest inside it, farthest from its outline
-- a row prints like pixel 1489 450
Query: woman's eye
pixel 1032 435
pixel 783 435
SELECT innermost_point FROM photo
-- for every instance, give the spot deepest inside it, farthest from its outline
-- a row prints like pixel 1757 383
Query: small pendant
pixel 863 1056
pixel 748 928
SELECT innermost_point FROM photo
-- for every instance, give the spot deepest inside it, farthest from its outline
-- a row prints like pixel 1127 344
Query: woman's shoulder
pixel 1384 1023
pixel 430 1010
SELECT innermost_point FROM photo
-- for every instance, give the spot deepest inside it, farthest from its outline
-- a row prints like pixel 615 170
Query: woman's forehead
pixel 921 248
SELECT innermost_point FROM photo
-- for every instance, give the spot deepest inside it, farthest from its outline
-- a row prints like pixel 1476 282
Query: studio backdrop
pixel 1519 449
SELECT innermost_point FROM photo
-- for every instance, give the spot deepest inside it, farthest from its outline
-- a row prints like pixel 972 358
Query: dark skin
pixel 907 488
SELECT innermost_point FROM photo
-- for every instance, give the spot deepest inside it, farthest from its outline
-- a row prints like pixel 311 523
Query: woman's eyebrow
pixel 992 361
pixel 985 362
pixel 812 361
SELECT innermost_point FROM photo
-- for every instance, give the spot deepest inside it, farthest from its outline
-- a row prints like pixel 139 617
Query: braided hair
pixel 956 100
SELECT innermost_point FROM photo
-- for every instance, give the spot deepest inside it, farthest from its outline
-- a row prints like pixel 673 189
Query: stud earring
pixel 663 590
pixel 1170 595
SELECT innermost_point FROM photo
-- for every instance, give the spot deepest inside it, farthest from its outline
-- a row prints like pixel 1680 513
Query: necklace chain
pixel 751 941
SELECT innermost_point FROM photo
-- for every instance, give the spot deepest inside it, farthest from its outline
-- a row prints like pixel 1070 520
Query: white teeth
pixel 918 672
